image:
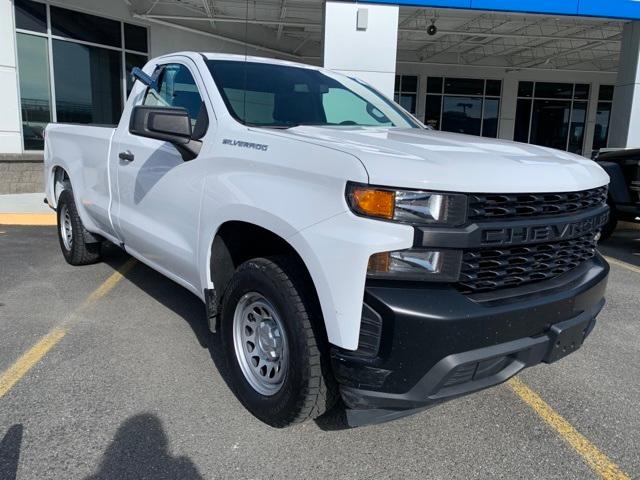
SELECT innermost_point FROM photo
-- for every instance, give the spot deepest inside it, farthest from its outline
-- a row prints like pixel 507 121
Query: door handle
pixel 126 156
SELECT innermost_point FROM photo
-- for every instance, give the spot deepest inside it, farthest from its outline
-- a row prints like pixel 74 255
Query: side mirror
pixel 171 125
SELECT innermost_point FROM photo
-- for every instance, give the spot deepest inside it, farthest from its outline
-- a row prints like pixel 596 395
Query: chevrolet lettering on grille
pixel 543 233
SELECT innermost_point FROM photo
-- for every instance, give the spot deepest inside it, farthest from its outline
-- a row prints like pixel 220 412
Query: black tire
pixel 611 225
pixel 77 251
pixel 308 388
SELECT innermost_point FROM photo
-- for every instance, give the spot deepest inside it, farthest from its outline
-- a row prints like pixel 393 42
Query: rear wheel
pixel 72 234
pixel 274 348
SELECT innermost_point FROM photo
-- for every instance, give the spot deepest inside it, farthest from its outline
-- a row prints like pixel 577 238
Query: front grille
pixel 491 269
pixel 509 206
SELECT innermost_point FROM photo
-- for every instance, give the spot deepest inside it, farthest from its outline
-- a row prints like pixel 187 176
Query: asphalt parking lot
pixel 132 389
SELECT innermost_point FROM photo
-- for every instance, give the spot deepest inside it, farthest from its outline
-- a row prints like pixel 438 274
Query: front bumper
pixel 436 344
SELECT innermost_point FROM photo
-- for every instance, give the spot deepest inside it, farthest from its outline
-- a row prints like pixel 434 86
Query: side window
pixel 344 108
pixel 177 89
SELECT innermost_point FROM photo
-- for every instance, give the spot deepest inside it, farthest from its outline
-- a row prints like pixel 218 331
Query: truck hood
pixel 433 160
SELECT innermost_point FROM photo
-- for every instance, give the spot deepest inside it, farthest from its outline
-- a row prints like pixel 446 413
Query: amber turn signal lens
pixel 375 203
pixel 379 263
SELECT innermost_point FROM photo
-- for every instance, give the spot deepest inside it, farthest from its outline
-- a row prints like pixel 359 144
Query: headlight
pixel 420 265
pixel 414 207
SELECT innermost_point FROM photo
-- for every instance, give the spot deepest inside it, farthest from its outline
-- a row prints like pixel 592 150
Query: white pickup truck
pixel 344 252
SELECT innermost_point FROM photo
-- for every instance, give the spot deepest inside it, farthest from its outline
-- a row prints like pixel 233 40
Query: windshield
pixel 267 95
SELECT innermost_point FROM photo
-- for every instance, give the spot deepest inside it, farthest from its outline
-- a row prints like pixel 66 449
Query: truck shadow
pixel 624 245
pixel 140 449
pixel 192 310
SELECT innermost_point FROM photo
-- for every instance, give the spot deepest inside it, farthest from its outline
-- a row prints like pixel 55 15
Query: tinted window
pixel 582 91
pixel 409 83
pixel 133 60
pixel 554 90
pixel 135 38
pixel 550 123
pixel 434 84
pixel 523 121
pixel 34 89
pixel 603 117
pixel 433 108
pixel 88 83
pixel 494 88
pixel 81 26
pixel 490 118
pixel 177 89
pixel 606 92
pixel 31 16
pixel 462 115
pixel 576 130
pixel 464 86
pixel 525 89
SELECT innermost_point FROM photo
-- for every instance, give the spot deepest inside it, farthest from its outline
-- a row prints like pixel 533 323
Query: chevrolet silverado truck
pixel 623 168
pixel 346 254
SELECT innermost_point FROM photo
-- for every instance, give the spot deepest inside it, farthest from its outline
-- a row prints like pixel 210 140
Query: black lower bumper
pixel 437 344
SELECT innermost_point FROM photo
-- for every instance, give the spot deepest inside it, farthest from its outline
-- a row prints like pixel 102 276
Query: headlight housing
pixel 416 265
pixel 414 207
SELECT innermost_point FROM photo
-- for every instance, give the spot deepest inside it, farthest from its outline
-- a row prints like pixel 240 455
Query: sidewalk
pixel 25 209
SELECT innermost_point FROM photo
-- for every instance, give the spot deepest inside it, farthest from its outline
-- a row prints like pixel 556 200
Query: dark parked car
pixel 623 166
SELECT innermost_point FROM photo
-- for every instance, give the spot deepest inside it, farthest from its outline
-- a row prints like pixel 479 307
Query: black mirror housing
pixel 169 124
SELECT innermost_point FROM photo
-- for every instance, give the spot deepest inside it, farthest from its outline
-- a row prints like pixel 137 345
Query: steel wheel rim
pixel 66 228
pixel 260 344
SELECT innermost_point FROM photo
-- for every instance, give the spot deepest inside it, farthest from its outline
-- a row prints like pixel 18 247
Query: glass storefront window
pixel 462 114
pixel 88 83
pixel 31 16
pixel 463 105
pixel 133 60
pixel 406 92
pixel 552 115
pixel 35 89
pixel 90 65
pixel 85 27
pixel 603 117
pixel 135 38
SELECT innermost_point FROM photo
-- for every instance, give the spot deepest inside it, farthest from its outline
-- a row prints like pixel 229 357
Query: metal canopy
pixel 293 29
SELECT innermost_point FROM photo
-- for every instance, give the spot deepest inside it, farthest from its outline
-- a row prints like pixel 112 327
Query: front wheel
pixel 72 234
pixel 274 347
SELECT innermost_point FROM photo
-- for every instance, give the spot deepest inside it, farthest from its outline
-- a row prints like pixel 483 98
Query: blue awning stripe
pixel 623 9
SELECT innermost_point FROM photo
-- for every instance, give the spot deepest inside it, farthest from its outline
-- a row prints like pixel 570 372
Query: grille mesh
pixel 512 206
pixel 491 269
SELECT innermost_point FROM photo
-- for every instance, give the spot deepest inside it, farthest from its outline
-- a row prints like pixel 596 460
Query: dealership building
pixel 559 73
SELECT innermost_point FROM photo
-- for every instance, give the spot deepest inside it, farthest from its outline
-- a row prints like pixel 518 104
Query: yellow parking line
pixel 622 264
pixel 28 219
pixel 597 461
pixel 31 357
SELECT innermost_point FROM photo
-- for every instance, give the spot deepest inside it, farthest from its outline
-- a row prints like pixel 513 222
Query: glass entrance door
pixel 552 115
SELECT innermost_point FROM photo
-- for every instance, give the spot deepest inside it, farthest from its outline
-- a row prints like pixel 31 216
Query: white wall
pixel 10 136
pixel 510 80
pixel 625 125
pixel 368 54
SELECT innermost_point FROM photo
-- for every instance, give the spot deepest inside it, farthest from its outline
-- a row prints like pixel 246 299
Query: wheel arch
pixel 237 241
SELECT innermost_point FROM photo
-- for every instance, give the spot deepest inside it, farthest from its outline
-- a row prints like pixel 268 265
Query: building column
pixel 10 136
pixel 508 105
pixel 625 117
pixel 361 40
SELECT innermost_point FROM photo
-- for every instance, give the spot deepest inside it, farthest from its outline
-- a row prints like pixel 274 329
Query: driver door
pixel 159 192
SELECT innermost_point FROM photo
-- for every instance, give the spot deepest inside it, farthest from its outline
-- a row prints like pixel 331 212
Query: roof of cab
pixel 249 58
